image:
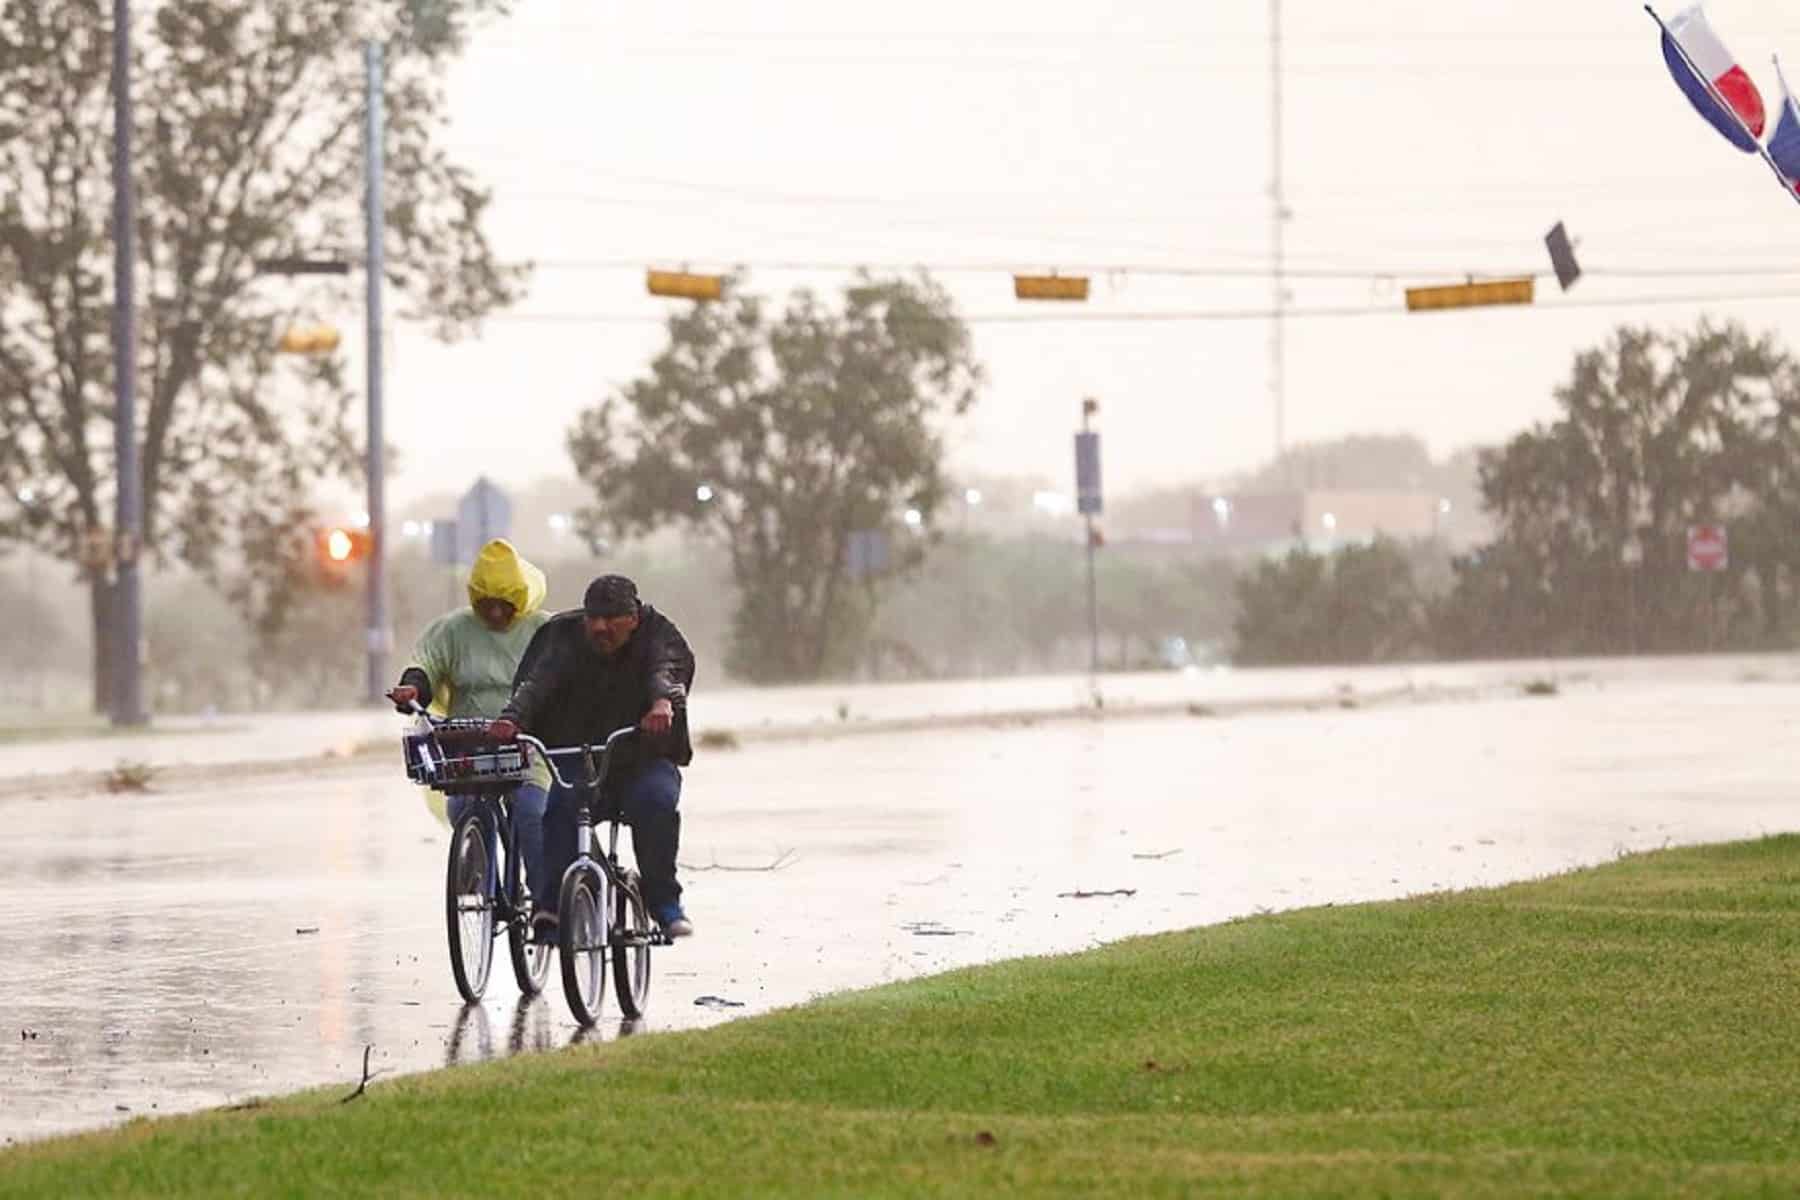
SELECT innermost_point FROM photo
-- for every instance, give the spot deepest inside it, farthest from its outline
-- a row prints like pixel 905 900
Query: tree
pixel 1363 462
pixel 1359 604
pixel 783 436
pixel 1659 432
pixel 248 137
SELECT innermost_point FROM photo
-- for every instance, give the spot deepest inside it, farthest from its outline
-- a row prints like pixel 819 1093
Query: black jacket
pixel 566 693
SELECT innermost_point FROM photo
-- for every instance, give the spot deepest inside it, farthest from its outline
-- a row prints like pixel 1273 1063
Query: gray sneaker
pixel 674 922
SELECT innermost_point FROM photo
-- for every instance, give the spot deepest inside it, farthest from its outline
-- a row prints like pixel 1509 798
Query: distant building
pixel 1320 516
pixel 1272 521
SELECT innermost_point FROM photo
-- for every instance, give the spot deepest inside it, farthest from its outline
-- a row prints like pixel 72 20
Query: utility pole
pixel 377 632
pixel 1277 236
pixel 126 618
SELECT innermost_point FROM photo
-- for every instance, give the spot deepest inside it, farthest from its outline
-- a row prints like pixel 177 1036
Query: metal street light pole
pixel 126 619
pixel 377 632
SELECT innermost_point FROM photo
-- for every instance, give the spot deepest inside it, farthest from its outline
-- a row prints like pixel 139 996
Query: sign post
pixel 1088 503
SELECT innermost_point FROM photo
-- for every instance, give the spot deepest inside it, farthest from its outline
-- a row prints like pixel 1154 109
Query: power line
pixel 1194 316
pixel 1213 67
pixel 1369 274
pixel 1085 41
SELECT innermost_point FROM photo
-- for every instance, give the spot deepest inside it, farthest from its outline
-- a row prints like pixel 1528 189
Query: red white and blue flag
pixel 1719 89
pixel 1784 143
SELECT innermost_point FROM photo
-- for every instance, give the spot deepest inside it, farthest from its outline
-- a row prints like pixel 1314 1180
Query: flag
pixel 1784 143
pixel 1687 38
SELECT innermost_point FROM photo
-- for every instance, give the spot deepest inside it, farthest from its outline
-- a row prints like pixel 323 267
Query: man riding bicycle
pixel 613 663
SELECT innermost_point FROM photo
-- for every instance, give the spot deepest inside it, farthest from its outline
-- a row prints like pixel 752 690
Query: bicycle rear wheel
pixel 631 947
pixel 530 960
pixel 581 942
pixel 469 905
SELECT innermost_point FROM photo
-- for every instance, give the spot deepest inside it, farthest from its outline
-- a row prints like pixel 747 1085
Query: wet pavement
pixel 207 944
pixel 833 708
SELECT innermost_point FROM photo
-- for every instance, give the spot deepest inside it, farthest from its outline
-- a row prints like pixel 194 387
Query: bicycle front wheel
pixel 581 943
pixel 631 947
pixel 530 959
pixel 469 905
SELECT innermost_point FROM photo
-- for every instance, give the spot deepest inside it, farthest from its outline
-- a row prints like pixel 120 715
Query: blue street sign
pixel 1087 474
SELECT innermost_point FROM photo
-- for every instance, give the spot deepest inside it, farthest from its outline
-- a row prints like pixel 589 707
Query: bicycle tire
pixel 468 889
pixel 581 944
pixel 530 960
pixel 631 948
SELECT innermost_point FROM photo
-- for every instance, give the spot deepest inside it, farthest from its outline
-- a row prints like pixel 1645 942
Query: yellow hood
pixel 500 573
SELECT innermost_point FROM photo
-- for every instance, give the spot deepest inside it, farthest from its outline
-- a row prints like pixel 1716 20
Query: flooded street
pixel 205 944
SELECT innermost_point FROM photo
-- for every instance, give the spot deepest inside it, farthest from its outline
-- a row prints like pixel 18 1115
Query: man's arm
pixel 540 674
pixel 671 664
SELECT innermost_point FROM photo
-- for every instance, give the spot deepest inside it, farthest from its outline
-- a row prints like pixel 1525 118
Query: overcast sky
pixel 1423 140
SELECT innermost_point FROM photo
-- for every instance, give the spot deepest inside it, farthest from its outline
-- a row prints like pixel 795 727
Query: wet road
pixel 277 737
pixel 155 959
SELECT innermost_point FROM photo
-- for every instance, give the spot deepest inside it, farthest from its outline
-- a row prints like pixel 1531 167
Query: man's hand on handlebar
pixel 502 730
pixel 660 717
pixel 404 697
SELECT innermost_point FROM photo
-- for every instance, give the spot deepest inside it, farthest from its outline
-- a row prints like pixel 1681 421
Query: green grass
pixel 1622 1031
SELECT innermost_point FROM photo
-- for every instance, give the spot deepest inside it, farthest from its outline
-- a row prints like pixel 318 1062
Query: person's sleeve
pixel 540 673
pixel 416 678
pixel 434 656
pixel 671 665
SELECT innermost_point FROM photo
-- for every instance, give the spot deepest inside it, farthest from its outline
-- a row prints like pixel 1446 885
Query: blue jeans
pixel 528 804
pixel 649 795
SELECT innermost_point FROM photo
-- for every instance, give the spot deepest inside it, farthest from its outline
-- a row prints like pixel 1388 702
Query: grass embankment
pixel 1623 1031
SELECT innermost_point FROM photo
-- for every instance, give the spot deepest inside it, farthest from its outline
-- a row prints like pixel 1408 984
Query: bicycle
pixel 585 937
pixel 454 757
pixel 457 757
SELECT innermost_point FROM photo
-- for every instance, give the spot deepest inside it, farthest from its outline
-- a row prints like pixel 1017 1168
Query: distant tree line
pixel 1659 432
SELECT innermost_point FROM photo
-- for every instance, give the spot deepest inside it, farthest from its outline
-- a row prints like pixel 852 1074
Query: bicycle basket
pixel 457 758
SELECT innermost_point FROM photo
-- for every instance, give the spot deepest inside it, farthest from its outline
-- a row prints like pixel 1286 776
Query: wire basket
pixel 459 759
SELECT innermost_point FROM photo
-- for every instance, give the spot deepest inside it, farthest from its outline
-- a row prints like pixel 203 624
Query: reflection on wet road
pixel 202 946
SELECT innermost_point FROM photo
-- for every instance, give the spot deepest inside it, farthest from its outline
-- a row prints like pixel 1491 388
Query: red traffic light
pixel 339 546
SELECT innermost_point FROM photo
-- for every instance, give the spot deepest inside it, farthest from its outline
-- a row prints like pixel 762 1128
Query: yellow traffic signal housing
pixel 1470 295
pixel 320 339
pixel 684 285
pixel 1050 287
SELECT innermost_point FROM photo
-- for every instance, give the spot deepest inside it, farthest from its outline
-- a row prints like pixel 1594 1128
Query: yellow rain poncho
pixel 471 666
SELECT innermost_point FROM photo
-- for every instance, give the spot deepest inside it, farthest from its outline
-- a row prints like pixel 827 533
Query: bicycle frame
pixel 586 790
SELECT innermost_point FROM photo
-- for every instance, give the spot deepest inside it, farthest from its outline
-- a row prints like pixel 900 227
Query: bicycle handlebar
pixel 606 749
pixel 549 755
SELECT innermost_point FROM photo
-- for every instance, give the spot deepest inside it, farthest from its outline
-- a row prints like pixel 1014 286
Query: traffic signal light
pixel 320 339
pixel 1050 287
pixel 337 547
pixel 685 286
pixel 1471 294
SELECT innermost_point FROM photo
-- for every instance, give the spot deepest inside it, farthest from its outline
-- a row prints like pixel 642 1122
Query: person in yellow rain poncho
pixel 463 666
